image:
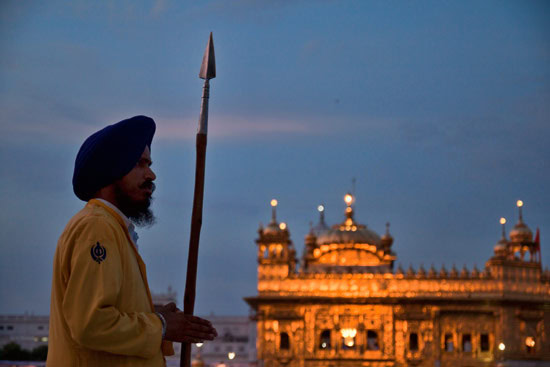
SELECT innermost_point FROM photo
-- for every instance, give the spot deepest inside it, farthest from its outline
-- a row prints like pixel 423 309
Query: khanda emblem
pixel 98 253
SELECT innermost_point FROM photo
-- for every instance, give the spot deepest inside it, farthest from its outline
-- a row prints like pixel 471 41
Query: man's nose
pixel 151 175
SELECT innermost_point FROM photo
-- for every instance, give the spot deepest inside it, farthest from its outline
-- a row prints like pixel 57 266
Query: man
pixel 101 308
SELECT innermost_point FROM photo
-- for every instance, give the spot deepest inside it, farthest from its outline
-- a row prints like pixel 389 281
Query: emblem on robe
pixel 98 253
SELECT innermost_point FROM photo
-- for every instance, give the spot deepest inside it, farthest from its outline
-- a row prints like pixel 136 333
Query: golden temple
pixel 344 304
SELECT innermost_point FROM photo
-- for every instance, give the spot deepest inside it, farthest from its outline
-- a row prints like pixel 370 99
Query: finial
pixel 464 273
pixel 443 272
pixel 321 209
pixel 454 272
pixel 519 203
pixel 349 199
pixel 387 228
pixel 421 271
pixel 400 269
pixel 274 211
pixel 432 272
pixel 503 222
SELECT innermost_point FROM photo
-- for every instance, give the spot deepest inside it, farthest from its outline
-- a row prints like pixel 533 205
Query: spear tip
pixel 208 67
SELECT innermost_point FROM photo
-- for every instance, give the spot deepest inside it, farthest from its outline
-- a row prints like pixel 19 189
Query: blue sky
pixel 439 109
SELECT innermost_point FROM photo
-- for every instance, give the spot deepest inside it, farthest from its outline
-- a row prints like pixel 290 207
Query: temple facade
pixel 344 304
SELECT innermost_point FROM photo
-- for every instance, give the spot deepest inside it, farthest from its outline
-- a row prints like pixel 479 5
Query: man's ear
pixel 107 193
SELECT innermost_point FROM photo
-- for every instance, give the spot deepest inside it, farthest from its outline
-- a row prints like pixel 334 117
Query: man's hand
pixel 183 328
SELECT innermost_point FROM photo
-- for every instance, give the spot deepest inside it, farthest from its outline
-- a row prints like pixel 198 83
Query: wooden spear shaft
pixel 208 71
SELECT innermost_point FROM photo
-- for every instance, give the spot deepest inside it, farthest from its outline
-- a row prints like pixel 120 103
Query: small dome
pixel 521 233
pixel 501 247
pixel 310 237
pixel 320 227
pixel 272 228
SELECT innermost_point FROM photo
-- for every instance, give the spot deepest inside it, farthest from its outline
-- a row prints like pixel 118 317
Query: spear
pixel 208 71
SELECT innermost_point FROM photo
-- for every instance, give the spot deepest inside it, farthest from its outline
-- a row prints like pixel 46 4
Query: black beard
pixel 137 211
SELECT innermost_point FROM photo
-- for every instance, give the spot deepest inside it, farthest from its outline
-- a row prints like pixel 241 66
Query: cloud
pixel 232 127
pixel 72 125
pixel 159 7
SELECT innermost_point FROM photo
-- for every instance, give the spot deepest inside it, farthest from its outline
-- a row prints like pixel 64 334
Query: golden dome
pixel 356 234
pixel 349 231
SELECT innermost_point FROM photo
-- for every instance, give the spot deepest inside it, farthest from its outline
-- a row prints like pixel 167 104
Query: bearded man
pixel 101 310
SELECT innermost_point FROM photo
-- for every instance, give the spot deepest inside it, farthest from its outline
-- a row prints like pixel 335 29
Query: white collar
pixel 129 225
pixel 127 221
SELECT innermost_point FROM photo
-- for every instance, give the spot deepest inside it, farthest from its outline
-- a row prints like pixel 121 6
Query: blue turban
pixel 110 154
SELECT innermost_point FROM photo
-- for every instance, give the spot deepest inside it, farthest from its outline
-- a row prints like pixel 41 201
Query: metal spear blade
pixel 208 67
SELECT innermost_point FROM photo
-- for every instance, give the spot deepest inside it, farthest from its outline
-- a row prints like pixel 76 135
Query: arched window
pixel 484 342
pixel 324 342
pixel 413 342
pixel 467 343
pixel 372 340
pixel 284 341
pixel 449 345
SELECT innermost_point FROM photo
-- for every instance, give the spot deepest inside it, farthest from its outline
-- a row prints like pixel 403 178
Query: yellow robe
pixel 101 310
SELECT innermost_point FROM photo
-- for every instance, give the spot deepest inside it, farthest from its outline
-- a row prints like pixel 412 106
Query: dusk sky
pixel 439 109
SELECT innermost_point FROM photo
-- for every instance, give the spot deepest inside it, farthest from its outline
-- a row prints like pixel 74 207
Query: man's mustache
pixel 149 185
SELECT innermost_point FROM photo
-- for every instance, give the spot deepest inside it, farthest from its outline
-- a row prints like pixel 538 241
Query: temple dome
pixel 349 231
pixel 339 235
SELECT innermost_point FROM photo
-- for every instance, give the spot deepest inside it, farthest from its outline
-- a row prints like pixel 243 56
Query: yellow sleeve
pixel 92 290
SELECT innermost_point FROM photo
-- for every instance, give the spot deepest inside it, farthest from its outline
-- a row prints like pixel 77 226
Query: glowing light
pixel 530 341
pixel 231 355
pixel 348 209
pixel 348 333
pixel 502 220
pixel 349 336
pixel 501 346
pixel 323 345
pixel 321 208
pixel 273 202
pixel 519 203
pixel 282 226
pixel 44 339
pixel 348 199
pixel 199 345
